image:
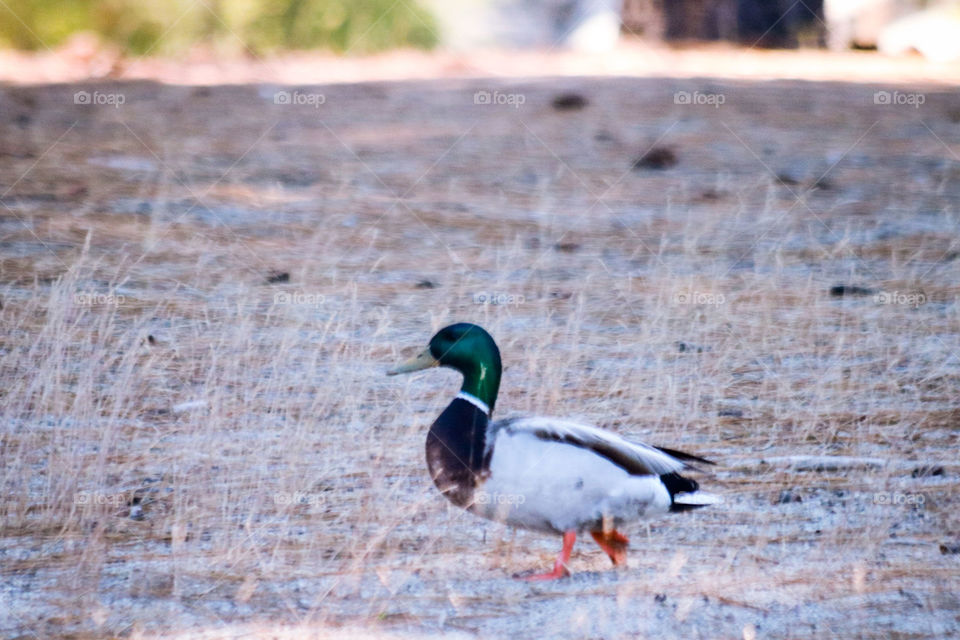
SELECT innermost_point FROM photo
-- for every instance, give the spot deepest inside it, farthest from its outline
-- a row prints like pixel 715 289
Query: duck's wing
pixel 636 458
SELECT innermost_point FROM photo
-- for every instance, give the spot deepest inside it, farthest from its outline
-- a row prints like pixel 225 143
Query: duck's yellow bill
pixel 424 360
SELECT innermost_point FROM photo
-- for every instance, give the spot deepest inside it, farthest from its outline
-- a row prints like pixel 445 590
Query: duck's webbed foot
pixel 614 543
pixel 560 566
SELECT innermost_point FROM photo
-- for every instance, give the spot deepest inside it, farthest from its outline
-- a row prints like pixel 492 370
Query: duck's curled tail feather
pixel 683 493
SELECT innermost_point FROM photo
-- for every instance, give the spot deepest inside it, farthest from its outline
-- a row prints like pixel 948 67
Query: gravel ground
pixel 202 287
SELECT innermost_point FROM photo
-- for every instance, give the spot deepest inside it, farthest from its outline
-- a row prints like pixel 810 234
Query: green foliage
pixel 261 26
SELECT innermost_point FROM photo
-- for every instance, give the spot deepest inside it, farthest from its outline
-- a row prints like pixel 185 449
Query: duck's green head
pixel 470 350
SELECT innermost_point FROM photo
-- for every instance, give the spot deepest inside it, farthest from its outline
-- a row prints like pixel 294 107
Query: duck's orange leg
pixel 614 543
pixel 560 566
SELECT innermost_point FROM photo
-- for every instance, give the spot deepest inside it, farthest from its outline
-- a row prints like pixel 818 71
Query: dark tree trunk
pixel 759 23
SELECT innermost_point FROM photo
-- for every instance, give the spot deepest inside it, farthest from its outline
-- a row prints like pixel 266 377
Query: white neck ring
pixel 475 401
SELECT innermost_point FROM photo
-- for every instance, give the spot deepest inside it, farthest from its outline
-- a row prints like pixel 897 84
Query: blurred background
pixel 102 36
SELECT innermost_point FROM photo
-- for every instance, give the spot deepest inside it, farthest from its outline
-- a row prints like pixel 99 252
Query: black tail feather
pixel 687 457
pixel 677 508
pixel 676 483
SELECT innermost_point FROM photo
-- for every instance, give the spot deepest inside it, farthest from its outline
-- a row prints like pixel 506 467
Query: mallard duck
pixel 542 473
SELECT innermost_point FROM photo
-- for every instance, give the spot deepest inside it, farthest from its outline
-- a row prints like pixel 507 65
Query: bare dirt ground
pixel 202 287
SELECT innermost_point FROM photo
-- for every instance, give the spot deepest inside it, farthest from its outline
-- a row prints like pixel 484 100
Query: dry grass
pixel 146 357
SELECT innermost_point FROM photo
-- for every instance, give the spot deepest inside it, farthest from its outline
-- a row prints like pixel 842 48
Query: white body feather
pixel 549 485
